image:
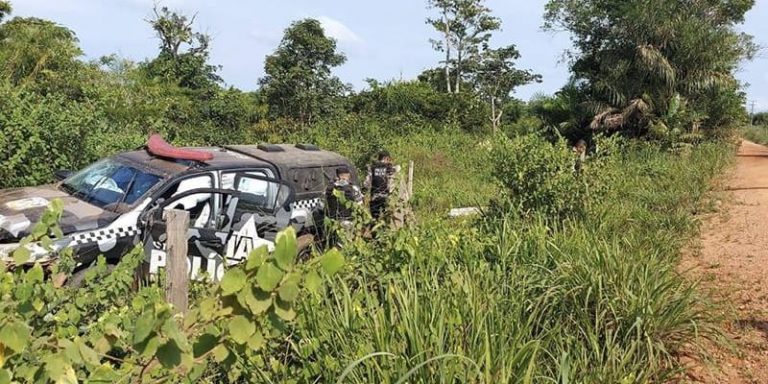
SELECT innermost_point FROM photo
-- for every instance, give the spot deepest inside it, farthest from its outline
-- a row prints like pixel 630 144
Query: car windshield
pixel 110 182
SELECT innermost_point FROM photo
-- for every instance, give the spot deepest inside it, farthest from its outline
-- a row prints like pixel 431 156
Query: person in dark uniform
pixel 381 182
pixel 338 194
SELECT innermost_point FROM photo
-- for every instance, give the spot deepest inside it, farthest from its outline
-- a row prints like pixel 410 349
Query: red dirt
pixel 732 263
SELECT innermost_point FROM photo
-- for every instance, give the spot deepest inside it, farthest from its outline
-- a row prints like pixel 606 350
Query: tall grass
pixel 756 133
pixel 589 300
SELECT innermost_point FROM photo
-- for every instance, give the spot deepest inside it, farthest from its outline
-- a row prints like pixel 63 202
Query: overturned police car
pixel 238 198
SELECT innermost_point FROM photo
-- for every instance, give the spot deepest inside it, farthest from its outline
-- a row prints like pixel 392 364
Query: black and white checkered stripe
pixel 103 235
pixel 308 204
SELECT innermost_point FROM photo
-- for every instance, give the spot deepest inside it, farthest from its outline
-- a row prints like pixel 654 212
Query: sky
pixel 382 39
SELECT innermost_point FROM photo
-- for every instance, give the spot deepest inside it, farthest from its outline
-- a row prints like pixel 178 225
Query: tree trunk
pixel 495 117
pixel 447 36
pixel 459 49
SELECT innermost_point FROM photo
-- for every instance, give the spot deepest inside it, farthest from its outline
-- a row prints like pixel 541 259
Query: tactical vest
pixel 381 174
pixel 336 209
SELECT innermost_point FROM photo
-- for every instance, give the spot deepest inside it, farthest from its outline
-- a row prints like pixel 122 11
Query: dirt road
pixel 732 261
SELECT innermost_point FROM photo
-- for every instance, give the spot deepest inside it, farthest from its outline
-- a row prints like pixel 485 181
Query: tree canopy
pixel 298 82
pixel 184 53
pixel 656 64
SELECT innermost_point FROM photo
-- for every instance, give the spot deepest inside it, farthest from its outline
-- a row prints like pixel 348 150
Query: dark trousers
pixel 378 207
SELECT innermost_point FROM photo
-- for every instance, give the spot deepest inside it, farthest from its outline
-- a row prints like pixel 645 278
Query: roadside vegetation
pixel 566 276
pixel 757 131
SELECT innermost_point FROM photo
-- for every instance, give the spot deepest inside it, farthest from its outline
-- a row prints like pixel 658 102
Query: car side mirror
pixel 62 174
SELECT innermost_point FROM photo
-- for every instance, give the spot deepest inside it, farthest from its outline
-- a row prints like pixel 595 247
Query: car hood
pixel 22 208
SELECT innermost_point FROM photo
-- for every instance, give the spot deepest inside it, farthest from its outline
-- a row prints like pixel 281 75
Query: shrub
pixel 537 176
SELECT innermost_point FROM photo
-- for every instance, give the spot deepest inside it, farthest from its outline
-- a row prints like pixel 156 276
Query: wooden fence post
pixel 177 283
pixel 410 180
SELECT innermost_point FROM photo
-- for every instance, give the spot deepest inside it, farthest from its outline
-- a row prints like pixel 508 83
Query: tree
pixel 298 82
pixel 465 26
pixel 5 9
pixel 39 54
pixel 497 77
pixel 184 53
pixel 656 64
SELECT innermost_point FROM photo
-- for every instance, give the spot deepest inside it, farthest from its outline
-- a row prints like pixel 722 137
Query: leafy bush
pixel 536 176
pixel 106 331
pixel 40 134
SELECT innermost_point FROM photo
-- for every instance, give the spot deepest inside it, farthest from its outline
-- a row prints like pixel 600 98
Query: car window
pixel 199 205
pixel 109 182
pixel 259 195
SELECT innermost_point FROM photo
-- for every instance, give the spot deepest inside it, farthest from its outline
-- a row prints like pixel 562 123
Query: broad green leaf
pixel 208 308
pixel 171 330
pixel 256 300
pixel 89 356
pixel 233 281
pixel 71 351
pixel 284 310
pixel 191 318
pixel 5 376
pixel 241 329
pixel 35 274
pixel 14 336
pixel 169 355
pixel 38 304
pixel 289 289
pixel 144 326
pixel 313 282
pixel 197 371
pixel 220 353
pixel 204 344
pixel 103 374
pixel 286 248
pixel 59 370
pixel 148 347
pixel 268 277
pixel 256 341
pixel 332 261
pixel 21 255
pixel 257 258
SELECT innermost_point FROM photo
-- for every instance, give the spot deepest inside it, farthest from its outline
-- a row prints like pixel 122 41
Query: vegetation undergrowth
pixel 756 134
pixel 515 296
pixel 590 298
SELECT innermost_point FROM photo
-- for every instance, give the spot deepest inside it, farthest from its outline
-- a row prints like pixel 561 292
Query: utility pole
pixel 752 113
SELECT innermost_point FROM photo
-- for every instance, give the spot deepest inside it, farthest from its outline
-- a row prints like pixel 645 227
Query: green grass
pixel 451 166
pixel 596 299
pixel 756 133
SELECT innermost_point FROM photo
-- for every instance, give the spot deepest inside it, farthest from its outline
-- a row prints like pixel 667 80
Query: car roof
pixel 222 158
pixel 282 156
pixel 291 156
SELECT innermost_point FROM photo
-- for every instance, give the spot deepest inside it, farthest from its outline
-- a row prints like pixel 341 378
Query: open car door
pixel 225 224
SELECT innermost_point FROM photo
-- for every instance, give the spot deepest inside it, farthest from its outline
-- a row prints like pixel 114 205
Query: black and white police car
pixel 238 197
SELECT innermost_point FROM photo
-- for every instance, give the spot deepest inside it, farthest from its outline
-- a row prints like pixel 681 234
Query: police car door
pixel 226 235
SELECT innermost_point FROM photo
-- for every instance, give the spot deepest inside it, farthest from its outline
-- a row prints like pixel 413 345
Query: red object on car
pixel 159 147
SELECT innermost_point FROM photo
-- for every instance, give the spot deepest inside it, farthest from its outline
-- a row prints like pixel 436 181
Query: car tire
pixel 77 280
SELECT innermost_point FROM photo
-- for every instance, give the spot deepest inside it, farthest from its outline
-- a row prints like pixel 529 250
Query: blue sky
pixel 382 39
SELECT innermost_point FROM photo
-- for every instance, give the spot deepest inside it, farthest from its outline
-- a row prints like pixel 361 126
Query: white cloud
pixel 339 31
